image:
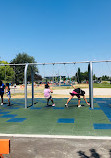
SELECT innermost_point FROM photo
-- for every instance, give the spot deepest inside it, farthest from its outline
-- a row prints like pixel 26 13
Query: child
pixel 9 96
pixel 47 95
pixel 76 92
pixel 2 87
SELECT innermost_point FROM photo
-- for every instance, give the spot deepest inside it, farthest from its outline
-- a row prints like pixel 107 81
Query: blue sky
pixel 56 30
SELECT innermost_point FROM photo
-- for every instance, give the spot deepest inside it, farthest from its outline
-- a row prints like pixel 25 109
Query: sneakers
pixel 79 106
pixel 1 103
pixel 66 105
pixel 53 104
pixel 9 104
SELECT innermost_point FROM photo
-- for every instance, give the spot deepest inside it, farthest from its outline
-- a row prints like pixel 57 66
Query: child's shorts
pixel 9 96
pixel 50 97
pixel 75 93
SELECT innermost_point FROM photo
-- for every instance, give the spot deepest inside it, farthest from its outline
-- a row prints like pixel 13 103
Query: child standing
pixel 9 96
pixel 2 87
pixel 47 95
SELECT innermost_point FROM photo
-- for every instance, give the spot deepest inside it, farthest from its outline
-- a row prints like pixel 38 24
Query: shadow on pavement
pixel 93 152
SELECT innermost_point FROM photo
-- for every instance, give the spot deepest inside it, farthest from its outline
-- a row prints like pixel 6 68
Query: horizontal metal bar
pixel 13 64
pixel 58 63
pixel 45 63
pixel 55 63
pixel 101 61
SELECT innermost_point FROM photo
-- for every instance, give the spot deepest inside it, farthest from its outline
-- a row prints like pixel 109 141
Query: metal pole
pixel 91 84
pixel 32 78
pixel 59 80
pixel 25 79
pixel 14 74
pixel 53 73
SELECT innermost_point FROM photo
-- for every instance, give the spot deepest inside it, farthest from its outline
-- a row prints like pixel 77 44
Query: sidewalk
pixel 97 92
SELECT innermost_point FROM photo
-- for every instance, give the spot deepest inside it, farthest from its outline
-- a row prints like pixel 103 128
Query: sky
pixel 56 30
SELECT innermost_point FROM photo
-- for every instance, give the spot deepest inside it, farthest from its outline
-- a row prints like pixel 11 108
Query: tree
pixel 6 72
pixel 84 76
pixel 73 78
pixel 94 77
pixel 78 75
pixel 19 70
pixel 105 78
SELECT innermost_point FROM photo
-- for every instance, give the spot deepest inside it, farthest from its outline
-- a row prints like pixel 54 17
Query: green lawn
pixel 101 85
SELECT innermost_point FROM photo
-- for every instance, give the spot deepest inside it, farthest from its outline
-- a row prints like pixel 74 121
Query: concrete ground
pixel 61 93
pixel 96 92
pixel 32 147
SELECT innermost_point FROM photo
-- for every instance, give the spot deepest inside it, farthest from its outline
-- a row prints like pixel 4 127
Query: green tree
pixel 73 78
pixel 19 70
pixel 94 77
pixel 105 78
pixel 6 72
pixel 78 75
pixel 84 76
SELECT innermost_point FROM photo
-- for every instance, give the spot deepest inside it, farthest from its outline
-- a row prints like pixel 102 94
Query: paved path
pixel 28 147
pixel 96 91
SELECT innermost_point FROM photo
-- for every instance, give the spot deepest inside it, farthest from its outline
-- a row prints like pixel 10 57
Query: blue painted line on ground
pixel 109 119
pixel 102 126
pixel 16 120
pixel 13 108
pixel 72 103
pixel 4 106
pixel 99 99
pixel 82 101
pixel 101 102
pixel 65 120
pixel 36 108
pixel 4 112
pixel 42 101
pixel 8 116
pixel 58 108
pixel 57 99
pixel 48 106
pixel 95 108
pixel 105 107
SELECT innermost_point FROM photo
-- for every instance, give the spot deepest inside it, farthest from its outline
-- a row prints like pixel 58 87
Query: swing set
pixel 26 65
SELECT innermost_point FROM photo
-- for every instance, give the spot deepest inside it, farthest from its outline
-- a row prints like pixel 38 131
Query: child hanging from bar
pixel 47 94
pixel 78 93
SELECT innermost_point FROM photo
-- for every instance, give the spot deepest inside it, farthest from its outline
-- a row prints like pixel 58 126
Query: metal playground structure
pixel 90 70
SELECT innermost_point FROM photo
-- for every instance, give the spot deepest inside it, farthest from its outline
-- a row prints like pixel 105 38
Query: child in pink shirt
pixel 47 95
